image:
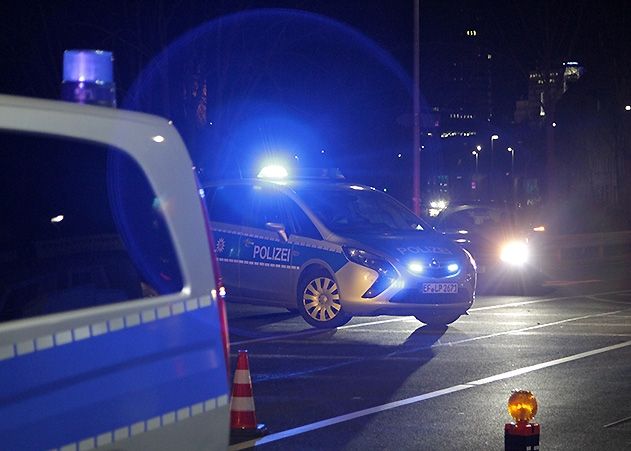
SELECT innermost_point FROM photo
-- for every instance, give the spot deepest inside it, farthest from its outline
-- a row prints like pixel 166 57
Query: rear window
pixel 255 206
pixel 81 226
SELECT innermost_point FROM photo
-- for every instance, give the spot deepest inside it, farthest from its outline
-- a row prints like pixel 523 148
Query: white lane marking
pixel 550 363
pixel 615 423
pixel 414 399
pixel 450 343
pixel 521 331
pixel 567 283
pixel 506 332
pixel 409 318
pixel 538 301
pixel 319 331
pixel 606 301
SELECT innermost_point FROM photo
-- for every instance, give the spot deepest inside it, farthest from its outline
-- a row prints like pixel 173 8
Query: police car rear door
pixel 227 207
pixel 266 271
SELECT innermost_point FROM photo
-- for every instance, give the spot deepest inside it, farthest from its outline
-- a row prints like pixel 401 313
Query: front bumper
pixel 404 297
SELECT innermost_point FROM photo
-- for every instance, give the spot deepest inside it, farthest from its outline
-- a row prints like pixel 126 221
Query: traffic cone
pixel 243 425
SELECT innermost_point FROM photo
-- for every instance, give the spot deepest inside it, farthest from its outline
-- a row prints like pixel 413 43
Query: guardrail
pixel 593 247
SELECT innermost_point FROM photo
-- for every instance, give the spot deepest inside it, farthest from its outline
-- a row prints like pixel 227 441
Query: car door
pixel 266 272
pixel 226 210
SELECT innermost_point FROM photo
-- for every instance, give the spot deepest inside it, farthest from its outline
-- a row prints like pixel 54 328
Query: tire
pixel 438 319
pixel 319 300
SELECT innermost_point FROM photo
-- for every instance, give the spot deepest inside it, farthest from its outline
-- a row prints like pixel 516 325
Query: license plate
pixel 440 288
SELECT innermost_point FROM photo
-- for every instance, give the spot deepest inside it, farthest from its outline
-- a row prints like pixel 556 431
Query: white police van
pixel 332 250
pixel 111 331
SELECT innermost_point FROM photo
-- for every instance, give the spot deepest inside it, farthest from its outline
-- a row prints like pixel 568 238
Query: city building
pixel 532 110
pixel 459 113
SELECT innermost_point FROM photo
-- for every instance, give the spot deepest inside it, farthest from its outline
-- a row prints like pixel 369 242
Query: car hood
pixel 405 246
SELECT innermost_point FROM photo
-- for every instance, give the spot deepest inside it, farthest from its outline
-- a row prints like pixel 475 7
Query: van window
pixel 80 227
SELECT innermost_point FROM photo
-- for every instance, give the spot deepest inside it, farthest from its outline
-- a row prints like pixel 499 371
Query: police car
pixel 111 330
pixel 333 250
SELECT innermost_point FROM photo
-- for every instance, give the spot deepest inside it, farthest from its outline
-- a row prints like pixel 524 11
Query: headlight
pixel 515 253
pixel 386 274
pixel 416 267
pixel 369 260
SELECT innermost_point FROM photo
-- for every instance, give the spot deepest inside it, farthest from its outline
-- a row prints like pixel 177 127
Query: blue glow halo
pixel 266 82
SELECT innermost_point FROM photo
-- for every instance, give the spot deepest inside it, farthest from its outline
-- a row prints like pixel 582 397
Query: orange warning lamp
pixel 522 405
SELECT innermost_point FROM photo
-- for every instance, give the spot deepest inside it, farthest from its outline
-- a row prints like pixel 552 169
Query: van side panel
pixel 114 379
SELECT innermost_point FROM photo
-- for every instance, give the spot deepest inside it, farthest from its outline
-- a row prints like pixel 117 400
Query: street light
pixel 492 173
pixel 512 173
pixel 476 154
pixel 493 138
pixel 512 160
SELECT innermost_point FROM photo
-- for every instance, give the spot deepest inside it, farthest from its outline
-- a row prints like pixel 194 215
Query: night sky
pixel 519 33
pixel 337 74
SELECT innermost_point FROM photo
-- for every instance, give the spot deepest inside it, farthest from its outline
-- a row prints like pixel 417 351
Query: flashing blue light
pixel 88 65
pixel 273 172
pixel 87 77
pixel 289 106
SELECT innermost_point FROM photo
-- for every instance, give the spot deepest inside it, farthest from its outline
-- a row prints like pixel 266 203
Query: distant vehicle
pixel 506 255
pixel 333 250
pixel 111 330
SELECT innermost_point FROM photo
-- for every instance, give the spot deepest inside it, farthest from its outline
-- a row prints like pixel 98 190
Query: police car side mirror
pixel 278 228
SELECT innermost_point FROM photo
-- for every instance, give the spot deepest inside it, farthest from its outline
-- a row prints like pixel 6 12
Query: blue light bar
pixel 88 65
pixel 88 78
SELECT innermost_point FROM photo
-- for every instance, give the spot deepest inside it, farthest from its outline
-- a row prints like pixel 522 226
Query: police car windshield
pixel 344 209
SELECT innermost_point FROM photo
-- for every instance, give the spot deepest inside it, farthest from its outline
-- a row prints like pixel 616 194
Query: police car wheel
pixel 438 319
pixel 319 300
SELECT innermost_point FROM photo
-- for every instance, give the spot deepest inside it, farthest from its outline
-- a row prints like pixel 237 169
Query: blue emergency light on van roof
pixel 88 65
pixel 88 77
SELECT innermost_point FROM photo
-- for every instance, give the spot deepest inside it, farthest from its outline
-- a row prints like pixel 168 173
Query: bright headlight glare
pixel 515 253
pixel 416 267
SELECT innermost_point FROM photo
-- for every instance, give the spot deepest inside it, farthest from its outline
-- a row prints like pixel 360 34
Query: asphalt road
pixel 392 383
